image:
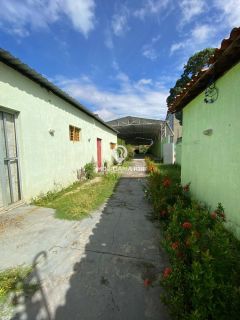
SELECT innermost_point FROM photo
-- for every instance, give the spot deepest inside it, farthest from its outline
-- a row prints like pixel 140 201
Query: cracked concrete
pixel 90 269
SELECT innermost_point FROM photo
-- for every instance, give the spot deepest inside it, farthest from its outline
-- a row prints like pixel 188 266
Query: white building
pixel 46 137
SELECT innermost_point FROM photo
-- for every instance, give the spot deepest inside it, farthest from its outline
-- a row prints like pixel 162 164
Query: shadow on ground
pixel 108 281
pixel 27 306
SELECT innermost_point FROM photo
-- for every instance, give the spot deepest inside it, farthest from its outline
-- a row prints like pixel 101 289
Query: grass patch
pixel 126 163
pixel 15 283
pixel 78 200
pixel 15 280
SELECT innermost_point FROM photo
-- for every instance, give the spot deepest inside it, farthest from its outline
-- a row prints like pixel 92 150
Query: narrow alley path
pixel 123 251
pixel 95 269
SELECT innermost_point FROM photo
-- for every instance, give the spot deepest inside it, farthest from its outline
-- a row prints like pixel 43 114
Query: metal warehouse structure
pixel 139 131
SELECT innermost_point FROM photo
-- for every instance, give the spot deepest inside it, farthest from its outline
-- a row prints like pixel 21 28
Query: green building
pixel 211 124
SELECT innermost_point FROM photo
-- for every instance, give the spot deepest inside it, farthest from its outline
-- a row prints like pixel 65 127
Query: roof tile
pixel 219 64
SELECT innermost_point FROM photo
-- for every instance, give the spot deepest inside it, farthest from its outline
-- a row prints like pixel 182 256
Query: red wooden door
pixel 99 153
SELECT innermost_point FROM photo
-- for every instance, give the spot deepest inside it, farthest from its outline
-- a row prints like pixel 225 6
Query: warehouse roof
pixel 24 69
pixel 223 59
pixel 140 131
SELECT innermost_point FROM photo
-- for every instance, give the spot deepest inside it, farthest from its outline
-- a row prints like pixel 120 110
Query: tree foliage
pixel 194 64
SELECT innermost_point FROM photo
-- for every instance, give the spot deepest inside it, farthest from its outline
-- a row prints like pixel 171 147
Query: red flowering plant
pixel 166 182
pixel 167 272
pixel 151 166
pixel 147 282
pixel 213 215
pixel 187 225
pixel 175 245
pixel 164 191
pixel 198 251
pixel 186 187
pixel 203 281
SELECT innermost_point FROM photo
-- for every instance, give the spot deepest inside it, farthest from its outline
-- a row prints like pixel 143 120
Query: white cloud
pixel 230 10
pixel 142 98
pixel 148 50
pixel 216 16
pixel 156 39
pixel 145 82
pixel 81 13
pixel 120 22
pixel 191 8
pixel 176 47
pixel 151 7
pixel 105 114
pixel 202 33
pixel 219 17
pixel 149 53
pixel 27 15
pixel 201 36
pixel 123 77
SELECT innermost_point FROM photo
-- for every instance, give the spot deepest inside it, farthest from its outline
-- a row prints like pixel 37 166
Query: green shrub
pixel 89 170
pixel 164 191
pixel 202 280
pixel 151 166
pixel 130 150
pixel 204 259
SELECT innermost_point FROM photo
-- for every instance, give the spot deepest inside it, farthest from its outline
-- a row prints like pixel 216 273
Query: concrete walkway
pixel 93 269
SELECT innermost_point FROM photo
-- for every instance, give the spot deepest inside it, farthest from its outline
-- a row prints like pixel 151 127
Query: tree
pixel 194 64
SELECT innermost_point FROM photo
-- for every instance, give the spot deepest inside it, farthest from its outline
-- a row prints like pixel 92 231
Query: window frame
pixel 74 133
pixel 112 145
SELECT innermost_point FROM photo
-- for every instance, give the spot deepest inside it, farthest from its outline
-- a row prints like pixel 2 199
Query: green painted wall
pixel 212 163
pixel 178 152
pixel 156 149
pixel 48 162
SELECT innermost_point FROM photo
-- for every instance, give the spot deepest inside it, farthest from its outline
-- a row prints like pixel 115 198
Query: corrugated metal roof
pixel 24 69
pixel 223 59
pixel 138 131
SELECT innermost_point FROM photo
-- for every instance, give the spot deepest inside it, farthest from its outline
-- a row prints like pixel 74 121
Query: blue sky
pixel 116 57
